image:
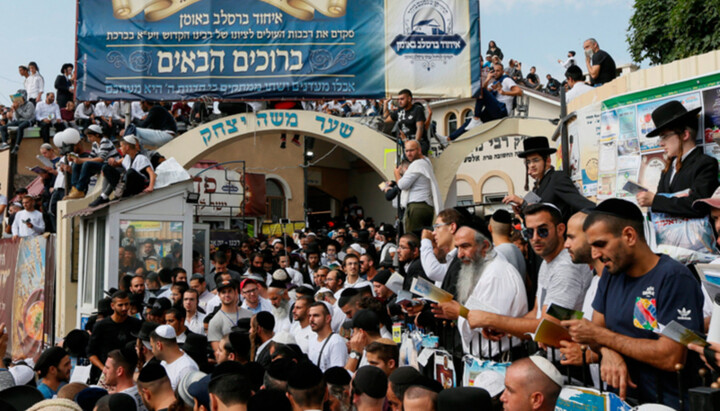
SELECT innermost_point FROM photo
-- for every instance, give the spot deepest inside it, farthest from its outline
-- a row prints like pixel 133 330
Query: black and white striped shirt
pixel 105 150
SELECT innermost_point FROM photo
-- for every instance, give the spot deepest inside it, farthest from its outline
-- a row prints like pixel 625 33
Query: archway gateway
pixel 373 147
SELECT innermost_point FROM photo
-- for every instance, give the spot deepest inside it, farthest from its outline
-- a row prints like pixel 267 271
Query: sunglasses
pixel 529 233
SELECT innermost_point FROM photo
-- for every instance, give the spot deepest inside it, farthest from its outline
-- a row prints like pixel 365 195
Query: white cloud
pixel 491 7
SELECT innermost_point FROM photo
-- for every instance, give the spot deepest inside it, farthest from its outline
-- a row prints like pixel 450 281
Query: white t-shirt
pixel 178 368
pixel 417 183
pixel 500 290
pixel 334 355
pixel 133 392
pixel 302 335
pixel 139 163
pixel 507 84
pixel 208 301
pixel 562 282
pixel 578 89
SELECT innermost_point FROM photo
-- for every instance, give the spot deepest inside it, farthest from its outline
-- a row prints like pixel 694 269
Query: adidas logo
pixel 684 314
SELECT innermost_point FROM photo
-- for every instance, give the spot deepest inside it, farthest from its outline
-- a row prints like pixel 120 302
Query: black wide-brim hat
pixel 536 145
pixel 671 114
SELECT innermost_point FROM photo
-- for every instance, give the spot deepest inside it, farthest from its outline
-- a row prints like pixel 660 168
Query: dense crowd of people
pixel 395 315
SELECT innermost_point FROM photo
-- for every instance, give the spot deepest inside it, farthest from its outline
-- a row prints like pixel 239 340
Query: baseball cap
pixel 226 284
pixel 712 201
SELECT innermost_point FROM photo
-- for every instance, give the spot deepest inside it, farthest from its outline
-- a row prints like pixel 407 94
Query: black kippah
pixel 265 320
pixel 152 372
pixel 502 216
pixel 337 376
pixel 619 208
pixel 281 369
pixel 305 376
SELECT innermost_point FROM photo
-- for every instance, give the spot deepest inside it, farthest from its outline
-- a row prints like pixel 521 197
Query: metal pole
pixel 564 134
pixel 305 184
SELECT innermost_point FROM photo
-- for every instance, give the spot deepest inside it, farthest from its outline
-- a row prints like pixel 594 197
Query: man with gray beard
pixel 278 296
pixel 489 282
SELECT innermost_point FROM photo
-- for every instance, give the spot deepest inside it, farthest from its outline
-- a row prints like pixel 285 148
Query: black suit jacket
pixel 699 173
pixel 449 283
pixel 556 187
pixel 414 270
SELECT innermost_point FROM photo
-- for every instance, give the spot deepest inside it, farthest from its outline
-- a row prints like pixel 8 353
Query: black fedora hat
pixel 671 114
pixel 20 397
pixel 536 145
pixel 145 329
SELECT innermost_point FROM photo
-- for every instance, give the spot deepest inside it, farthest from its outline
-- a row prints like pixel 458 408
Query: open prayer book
pixel 429 291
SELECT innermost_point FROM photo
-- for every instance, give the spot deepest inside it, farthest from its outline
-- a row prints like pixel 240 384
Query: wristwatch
pixel 355 355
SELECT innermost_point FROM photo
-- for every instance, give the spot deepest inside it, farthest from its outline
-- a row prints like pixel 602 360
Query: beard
pixel 283 310
pixel 470 274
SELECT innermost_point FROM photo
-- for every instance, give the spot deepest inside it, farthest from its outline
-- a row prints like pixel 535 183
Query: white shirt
pixel 562 282
pixel 417 184
pixel 434 269
pixel 282 323
pixel 302 335
pixel 500 290
pixel 34 85
pixel 133 392
pixel 569 62
pixel 578 89
pixel 60 178
pixel 507 85
pixel 82 112
pixel 195 323
pixel 44 111
pixel 208 301
pixel 335 353
pixel 136 111
pixel 139 163
pixel 102 110
pixel 178 368
pixel 20 229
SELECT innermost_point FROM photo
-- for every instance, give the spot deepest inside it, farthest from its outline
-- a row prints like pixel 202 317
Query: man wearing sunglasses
pixel 559 280
pixel 551 186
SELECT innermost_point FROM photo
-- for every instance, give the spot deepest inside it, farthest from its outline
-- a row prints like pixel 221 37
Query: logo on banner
pixel 428 34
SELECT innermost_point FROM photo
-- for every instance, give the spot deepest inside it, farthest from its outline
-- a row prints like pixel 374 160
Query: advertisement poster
pixel 263 49
pixel 711 115
pixel 29 324
pixel 651 168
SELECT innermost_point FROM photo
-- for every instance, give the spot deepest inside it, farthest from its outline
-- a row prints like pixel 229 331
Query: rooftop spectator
pixel 576 83
pixel 29 221
pixel 47 114
pixel 64 85
pixel 532 80
pixel 495 100
pixel 495 50
pixel 158 128
pixel 34 84
pixel 600 65
pixel 419 195
pixel 570 60
pixel 23 114
pixel 107 114
pixel 67 114
pixel 139 174
pixel 85 167
pixel 410 120
pixel 85 114
pixel 552 86
pixel 181 111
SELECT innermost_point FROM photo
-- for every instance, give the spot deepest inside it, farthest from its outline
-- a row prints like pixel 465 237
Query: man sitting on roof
pixel 139 173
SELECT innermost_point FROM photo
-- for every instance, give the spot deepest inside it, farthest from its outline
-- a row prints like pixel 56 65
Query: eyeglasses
pixel 253 291
pixel 666 135
pixel 436 226
pixel 533 160
pixel 529 233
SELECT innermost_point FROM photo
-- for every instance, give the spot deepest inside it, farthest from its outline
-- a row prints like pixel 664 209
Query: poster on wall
pixel 711 115
pixel 651 168
pixel 588 135
pixel 28 314
pixel 264 49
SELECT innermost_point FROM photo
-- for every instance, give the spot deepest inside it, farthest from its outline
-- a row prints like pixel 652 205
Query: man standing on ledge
pixel 410 118
pixel 600 65
pixel 420 196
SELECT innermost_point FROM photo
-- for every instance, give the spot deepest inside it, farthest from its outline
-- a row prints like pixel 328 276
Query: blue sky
pixel 536 32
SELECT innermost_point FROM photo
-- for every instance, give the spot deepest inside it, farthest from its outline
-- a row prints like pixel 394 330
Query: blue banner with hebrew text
pixel 270 49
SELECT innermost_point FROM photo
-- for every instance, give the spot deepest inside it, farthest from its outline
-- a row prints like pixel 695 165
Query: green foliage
pixel 666 30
